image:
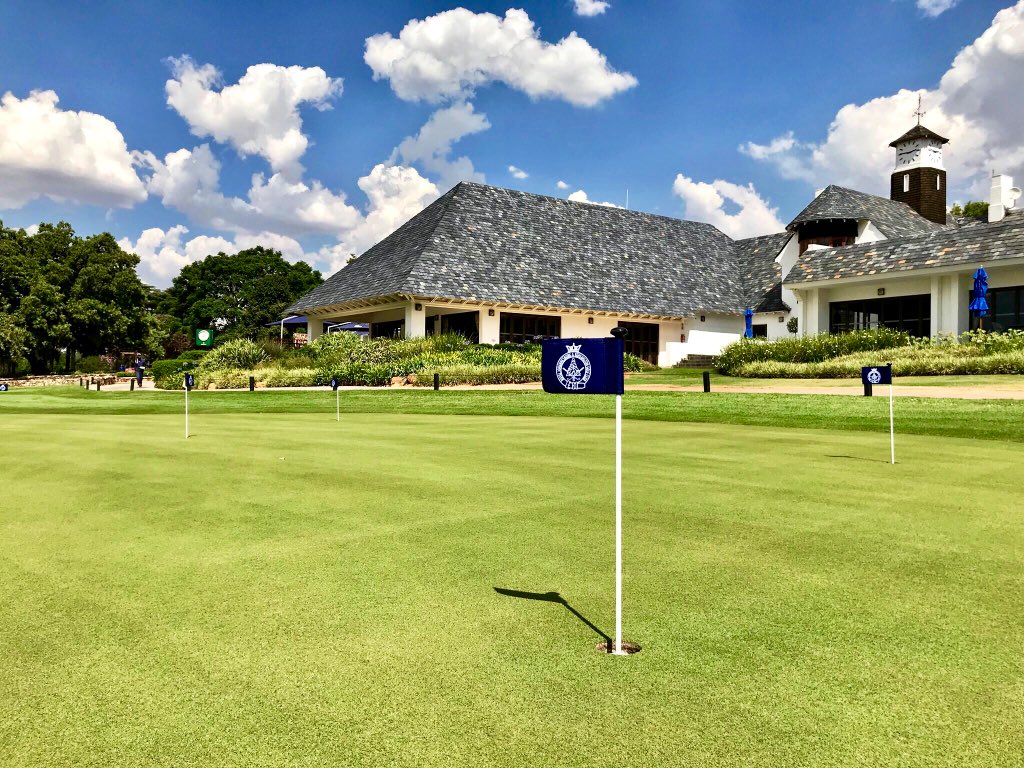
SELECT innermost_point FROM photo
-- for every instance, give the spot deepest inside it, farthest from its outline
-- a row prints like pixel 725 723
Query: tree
pixel 13 342
pixel 71 294
pixel 239 293
pixel 972 209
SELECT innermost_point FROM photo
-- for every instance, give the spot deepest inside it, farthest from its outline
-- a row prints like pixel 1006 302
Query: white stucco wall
pixel 868 232
pixel 950 291
pixel 786 260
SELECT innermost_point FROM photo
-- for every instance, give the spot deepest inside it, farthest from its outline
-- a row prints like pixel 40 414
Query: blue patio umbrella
pixel 748 316
pixel 978 305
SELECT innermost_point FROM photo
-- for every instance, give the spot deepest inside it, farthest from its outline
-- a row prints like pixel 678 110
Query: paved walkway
pixel 960 393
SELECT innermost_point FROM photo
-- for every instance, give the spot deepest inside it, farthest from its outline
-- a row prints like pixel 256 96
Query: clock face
pixel 204 335
pixel 918 153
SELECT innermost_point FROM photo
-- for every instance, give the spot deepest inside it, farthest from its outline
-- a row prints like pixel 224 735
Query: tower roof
pixel 919 132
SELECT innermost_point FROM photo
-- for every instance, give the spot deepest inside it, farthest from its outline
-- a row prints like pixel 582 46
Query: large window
pixel 1005 310
pixel 519 329
pixel 902 313
pixel 831 234
pixel 390 330
pixel 642 341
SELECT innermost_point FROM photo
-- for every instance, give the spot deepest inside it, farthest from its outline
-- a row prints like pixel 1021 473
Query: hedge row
pixel 807 349
pixel 910 362
pixel 361 362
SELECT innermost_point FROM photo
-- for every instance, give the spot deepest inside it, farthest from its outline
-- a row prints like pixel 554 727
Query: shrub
pixel 808 349
pixel 634 364
pixel 513 373
pixel 193 355
pixel 168 374
pixel 286 377
pixel 93 364
pixel 354 374
pixel 237 353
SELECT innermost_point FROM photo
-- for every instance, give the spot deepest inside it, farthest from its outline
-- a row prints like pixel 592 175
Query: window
pixel 902 313
pixel 760 330
pixel 906 182
pixel 519 329
pixel 831 234
pixel 938 182
pixel 390 330
pixel 1005 310
pixel 642 341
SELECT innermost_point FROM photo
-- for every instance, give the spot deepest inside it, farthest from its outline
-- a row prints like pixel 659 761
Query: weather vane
pixel 920 112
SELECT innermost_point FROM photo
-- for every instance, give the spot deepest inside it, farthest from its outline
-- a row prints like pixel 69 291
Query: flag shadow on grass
pixel 554 597
pixel 856 458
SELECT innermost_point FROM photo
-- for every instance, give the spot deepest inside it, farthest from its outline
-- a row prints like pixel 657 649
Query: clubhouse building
pixel 498 265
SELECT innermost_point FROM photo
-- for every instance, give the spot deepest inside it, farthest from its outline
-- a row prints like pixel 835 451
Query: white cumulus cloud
pixel 162 254
pixel 708 202
pixel 65 155
pixel 933 8
pixel 579 196
pixel 189 181
pixel 972 106
pixel 449 55
pixel 594 7
pixel 561 184
pixel 518 173
pixel 258 115
pixel 431 148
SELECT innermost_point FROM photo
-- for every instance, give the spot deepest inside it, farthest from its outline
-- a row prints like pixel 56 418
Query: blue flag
pixel 876 374
pixel 583 366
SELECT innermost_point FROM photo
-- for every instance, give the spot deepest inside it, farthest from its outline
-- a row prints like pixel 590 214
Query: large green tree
pixel 71 294
pixel 238 293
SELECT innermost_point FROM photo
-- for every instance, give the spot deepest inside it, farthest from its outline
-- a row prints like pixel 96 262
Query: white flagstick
pixel 337 404
pixel 892 428
pixel 186 412
pixel 618 525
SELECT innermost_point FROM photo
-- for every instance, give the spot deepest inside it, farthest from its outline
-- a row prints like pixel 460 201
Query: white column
pixel 415 321
pixel 814 311
pixel 936 303
pixel 490 326
pixel 314 328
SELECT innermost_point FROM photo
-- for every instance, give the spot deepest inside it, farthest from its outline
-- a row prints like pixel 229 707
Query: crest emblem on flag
pixel 874 376
pixel 573 369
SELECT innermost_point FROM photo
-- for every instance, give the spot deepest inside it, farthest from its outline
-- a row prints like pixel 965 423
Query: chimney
pixel 1002 197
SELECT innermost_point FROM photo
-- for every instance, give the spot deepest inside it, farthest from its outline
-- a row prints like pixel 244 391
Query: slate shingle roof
pixel 919 132
pixel 496 245
pixel 976 244
pixel 893 219
pixel 760 274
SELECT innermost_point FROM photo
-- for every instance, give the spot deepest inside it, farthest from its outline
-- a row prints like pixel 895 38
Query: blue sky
pixel 731 113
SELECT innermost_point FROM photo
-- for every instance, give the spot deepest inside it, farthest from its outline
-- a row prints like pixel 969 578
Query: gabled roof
pixel 893 219
pixel 497 245
pixel 760 273
pixel 919 132
pixel 967 246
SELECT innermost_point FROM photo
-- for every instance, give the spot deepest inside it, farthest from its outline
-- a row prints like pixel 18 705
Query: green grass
pixel 985 419
pixel 282 590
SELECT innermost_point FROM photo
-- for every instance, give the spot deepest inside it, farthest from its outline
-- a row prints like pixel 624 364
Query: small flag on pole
pixel 882 374
pixel 582 366
pixel 594 367
pixel 190 381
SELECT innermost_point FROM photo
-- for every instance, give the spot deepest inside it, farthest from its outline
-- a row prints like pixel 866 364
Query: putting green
pixel 283 589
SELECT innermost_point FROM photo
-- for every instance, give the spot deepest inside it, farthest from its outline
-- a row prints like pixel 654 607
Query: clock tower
pixel 919 179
